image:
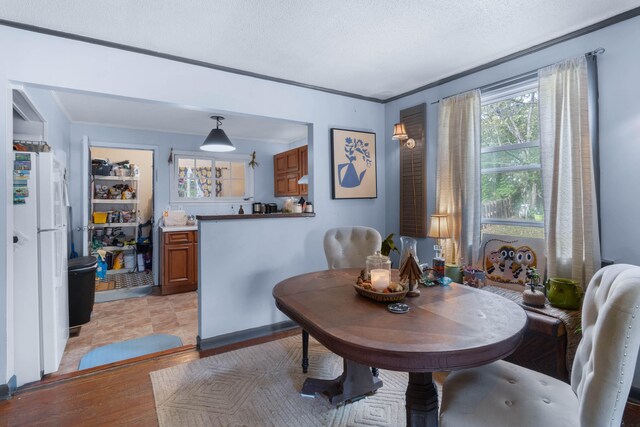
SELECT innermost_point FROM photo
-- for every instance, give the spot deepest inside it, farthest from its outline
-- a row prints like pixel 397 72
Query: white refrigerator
pixel 41 313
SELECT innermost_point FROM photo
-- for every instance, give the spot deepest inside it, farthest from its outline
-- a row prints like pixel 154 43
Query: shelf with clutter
pixel 114 229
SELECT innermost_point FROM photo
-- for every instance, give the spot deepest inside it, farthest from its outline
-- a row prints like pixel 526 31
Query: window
pixel 230 179
pixel 195 178
pixel 510 162
pixel 199 178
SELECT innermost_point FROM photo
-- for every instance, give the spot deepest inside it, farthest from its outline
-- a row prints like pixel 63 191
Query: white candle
pixel 380 279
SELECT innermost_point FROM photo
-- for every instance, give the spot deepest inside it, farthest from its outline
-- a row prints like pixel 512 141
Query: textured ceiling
pixel 113 111
pixel 371 48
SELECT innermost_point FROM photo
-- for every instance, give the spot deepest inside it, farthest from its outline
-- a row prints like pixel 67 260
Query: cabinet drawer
pixel 178 237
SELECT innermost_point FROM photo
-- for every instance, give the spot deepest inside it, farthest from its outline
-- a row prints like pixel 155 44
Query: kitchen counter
pixel 255 216
pixel 170 228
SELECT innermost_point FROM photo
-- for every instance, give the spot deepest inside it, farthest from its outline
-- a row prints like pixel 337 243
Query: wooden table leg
pixel 355 382
pixel 422 400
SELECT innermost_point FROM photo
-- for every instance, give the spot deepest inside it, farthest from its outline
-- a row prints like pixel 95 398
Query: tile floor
pixel 122 320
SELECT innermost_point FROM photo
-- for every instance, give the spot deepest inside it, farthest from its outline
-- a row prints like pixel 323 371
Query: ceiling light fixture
pixel 217 140
pixel 400 133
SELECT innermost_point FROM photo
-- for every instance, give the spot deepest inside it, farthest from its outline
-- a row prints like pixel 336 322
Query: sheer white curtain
pixel 571 218
pixel 458 174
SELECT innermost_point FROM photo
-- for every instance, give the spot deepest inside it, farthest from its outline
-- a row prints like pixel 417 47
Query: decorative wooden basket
pixel 382 297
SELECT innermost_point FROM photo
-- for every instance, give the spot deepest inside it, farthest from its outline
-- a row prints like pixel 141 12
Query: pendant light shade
pixel 217 140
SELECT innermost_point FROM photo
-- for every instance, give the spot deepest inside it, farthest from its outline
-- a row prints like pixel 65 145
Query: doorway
pixel 127 319
pixel 121 221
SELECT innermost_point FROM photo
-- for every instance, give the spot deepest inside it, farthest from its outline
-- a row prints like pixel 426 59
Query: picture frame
pixel 353 164
pixel 505 259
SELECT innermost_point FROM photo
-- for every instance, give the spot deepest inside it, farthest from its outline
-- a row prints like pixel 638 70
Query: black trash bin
pixel 82 289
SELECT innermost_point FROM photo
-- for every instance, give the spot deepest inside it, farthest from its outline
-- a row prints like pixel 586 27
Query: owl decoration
pixel 507 260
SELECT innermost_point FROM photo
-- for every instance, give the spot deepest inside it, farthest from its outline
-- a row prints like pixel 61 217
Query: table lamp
pixel 439 229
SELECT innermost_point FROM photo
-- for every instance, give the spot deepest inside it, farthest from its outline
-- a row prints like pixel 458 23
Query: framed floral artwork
pixel 353 164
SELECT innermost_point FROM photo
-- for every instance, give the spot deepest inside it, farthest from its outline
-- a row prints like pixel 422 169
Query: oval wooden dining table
pixel 447 328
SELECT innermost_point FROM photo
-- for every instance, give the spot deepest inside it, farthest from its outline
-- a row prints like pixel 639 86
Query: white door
pixel 47 189
pixel 86 195
pixel 26 313
pixel 54 303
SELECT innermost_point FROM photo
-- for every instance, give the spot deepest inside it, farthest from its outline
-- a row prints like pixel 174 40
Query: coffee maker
pixel 257 208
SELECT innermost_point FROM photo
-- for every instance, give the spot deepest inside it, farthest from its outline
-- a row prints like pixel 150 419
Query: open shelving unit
pixel 129 229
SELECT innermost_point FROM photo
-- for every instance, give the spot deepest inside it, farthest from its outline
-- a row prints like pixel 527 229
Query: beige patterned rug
pixel 259 386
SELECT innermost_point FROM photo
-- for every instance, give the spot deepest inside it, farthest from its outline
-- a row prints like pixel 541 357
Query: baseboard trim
pixel 245 335
pixel 7 390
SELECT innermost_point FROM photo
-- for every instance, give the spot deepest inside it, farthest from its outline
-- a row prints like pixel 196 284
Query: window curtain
pixel 571 216
pixel 458 175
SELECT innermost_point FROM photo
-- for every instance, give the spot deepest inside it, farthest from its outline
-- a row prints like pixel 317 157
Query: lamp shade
pixel 304 180
pixel 217 140
pixel 399 132
pixel 439 228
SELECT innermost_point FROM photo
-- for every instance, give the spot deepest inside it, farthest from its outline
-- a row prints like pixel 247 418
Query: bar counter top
pixel 255 216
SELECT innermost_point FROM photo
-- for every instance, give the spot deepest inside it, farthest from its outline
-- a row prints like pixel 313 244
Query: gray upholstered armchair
pixel 345 247
pixel 505 394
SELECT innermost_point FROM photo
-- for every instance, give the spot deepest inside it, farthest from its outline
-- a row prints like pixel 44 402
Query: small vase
pixel 408 246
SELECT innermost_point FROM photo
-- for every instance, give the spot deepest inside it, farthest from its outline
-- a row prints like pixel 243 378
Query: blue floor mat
pixel 129 349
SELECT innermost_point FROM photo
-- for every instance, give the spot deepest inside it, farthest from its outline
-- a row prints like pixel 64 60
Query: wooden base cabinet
pixel 179 262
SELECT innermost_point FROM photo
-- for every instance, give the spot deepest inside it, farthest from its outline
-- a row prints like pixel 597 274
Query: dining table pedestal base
pixel 356 382
pixel 421 400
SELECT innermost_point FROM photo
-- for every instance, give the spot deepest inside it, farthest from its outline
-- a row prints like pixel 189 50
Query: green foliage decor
pixel 388 246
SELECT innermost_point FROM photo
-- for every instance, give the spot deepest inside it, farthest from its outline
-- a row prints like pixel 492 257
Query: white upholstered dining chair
pixel 349 247
pixel 503 394
pixel 345 247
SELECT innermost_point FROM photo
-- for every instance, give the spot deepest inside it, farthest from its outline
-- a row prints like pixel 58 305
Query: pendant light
pixel 217 140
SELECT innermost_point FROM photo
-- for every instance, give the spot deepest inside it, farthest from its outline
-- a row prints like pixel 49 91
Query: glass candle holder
pixel 377 261
pixel 380 279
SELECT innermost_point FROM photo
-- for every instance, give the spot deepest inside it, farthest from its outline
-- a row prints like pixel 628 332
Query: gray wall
pixel 619 85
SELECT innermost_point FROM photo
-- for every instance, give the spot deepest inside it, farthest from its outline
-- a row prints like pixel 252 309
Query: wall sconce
pixel 400 133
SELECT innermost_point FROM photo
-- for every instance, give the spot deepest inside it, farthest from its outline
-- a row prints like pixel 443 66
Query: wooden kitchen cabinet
pixel 303 155
pixel 287 162
pixel 286 185
pixel 288 168
pixel 179 262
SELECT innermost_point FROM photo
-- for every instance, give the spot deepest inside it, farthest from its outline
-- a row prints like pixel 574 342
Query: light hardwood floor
pixel 126 319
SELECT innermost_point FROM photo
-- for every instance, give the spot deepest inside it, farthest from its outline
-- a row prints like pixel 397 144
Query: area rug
pixel 259 386
pixel 129 349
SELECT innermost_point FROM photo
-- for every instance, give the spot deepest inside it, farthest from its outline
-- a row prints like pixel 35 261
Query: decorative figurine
pixel 253 162
pixel 532 296
pixel 410 273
